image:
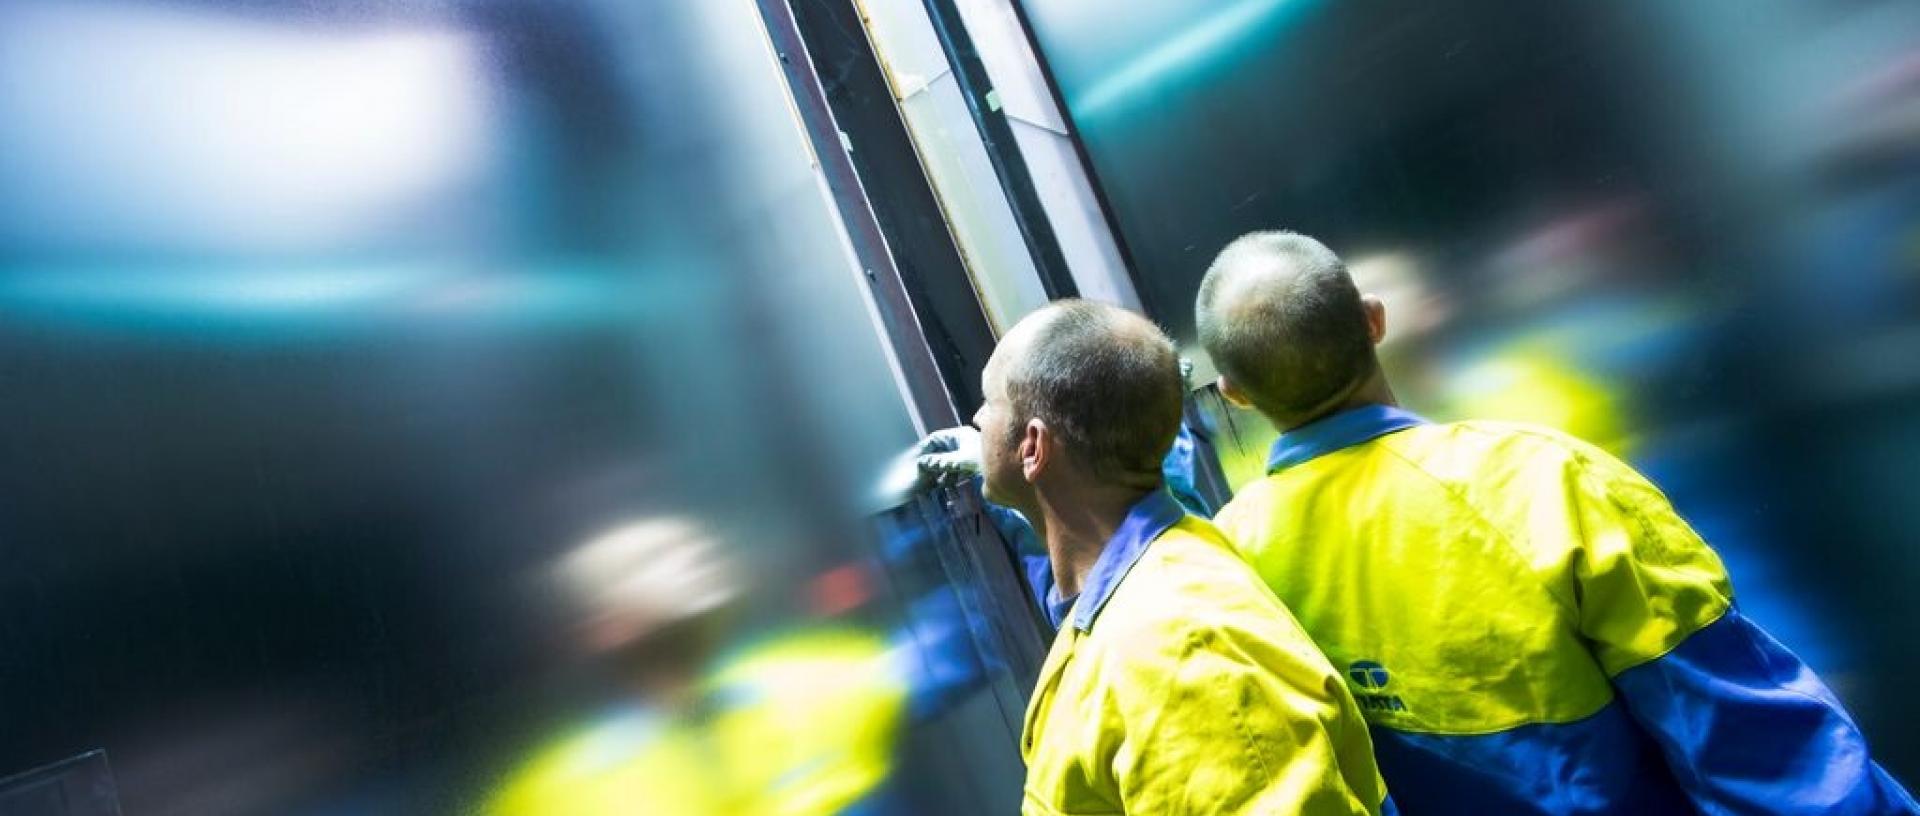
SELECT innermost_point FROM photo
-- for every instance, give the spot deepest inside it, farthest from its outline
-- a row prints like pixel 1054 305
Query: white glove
pixel 950 456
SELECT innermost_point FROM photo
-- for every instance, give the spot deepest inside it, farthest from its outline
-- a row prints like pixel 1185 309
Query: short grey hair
pixel 1281 318
pixel 1107 381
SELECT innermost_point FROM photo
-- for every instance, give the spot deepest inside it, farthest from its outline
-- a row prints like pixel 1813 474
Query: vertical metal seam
pixel 1003 151
pixel 934 403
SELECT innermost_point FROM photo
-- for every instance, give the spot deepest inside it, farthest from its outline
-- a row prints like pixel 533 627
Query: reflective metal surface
pixel 397 395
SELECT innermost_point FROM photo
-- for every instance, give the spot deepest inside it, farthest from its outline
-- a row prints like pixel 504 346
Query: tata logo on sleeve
pixel 1370 679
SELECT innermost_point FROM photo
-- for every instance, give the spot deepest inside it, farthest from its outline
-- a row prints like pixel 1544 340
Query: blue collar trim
pixel 1057 606
pixel 1342 430
pixel 1145 521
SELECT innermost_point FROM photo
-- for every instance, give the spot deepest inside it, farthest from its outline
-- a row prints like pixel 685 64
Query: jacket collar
pixel 1145 521
pixel 1338 431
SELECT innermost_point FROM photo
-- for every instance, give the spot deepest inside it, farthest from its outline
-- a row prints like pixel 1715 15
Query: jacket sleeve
pixel 1232 724
pixel 1745 726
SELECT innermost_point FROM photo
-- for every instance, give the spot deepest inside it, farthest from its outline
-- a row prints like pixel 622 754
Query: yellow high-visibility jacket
pixel 1531 628
pixel 1181 686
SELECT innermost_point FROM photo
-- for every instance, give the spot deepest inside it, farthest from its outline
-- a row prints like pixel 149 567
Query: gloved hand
pixel 943 459
pixel 950 456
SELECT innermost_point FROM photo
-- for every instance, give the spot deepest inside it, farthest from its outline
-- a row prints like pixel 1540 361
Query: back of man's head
pixel 1282 320
pixel 1106 381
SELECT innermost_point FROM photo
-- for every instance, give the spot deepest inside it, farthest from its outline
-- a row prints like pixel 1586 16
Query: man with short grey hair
pixel 1528 624
pixel 1291 345
pixel 1178 685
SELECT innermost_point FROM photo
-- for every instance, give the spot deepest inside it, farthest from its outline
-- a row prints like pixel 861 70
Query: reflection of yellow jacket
pixel 1536 383
pixel 803 725
pixel 1181 686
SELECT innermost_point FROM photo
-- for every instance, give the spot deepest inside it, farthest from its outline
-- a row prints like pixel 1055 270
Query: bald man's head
pixel 1282 320
pixel 1105 381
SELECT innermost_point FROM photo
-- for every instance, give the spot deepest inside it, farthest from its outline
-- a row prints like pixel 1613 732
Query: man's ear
pixel 1036 449
pixel 1233 394
pixel 1376 311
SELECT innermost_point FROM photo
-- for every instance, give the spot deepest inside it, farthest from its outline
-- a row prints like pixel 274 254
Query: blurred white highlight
pixel 638 577
pixel 197 131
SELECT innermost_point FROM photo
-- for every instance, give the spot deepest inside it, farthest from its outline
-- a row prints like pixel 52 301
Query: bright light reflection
pixel 193 130
pixel 1202 40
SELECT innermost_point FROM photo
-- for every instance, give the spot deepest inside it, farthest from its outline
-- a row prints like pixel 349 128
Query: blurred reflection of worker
pixel 800 724
pixel 1179 684
pixel 1528 624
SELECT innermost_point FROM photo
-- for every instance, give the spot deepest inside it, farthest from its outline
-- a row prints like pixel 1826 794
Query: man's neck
pixel 1371 390
pixel 1077 527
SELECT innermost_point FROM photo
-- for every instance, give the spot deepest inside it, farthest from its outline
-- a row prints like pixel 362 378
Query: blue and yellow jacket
pixel 1181 686
pixel 1531 628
